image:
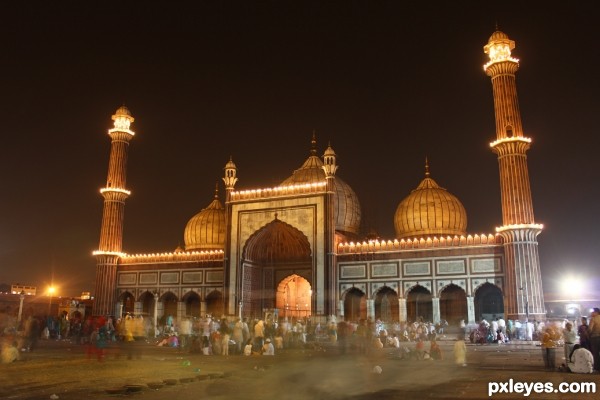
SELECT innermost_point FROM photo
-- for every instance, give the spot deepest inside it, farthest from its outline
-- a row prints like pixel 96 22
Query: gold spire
pixel 426 167
pixel 217 190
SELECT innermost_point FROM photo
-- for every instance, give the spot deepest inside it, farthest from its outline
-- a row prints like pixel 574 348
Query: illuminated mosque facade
pixel 295 250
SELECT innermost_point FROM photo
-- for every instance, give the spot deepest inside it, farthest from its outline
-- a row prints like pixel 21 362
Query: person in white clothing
pixel 268 349
pixel 582 361
pixel 569 338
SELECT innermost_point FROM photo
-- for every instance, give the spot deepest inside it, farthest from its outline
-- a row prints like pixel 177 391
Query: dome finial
pixel 217 190
pixel 313 144
pixel 427 174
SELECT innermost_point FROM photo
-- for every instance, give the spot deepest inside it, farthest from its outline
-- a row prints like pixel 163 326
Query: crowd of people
pixel 249 337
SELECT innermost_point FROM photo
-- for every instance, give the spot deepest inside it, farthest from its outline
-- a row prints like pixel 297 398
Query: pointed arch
pixel 128 301
pixel 215 304
pixel 192 304
pixel 489 301
pixel 277 242
pixel 453 304
pixel 355 305
pixel 418 304
pixel 294 296
pixel 386 304
pixel 147 301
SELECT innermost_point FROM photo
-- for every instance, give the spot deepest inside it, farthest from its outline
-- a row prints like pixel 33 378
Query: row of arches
pixel 488 302
pixel 145 304
pixel 293 299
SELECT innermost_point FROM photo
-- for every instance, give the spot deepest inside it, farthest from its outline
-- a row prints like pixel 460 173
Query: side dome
pixel 276 242
pixel 430 210
pixel 206 230
pixel 347 211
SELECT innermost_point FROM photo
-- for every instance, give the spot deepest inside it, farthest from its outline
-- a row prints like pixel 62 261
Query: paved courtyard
pixel 62 369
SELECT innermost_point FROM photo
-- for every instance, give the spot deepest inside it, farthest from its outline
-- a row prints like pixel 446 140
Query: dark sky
pixel 386 83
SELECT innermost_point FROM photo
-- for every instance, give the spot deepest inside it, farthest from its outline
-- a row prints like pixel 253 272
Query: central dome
pixel 430 210
pixel 347 208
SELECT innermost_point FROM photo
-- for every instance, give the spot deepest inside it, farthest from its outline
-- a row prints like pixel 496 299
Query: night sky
pixel 386 83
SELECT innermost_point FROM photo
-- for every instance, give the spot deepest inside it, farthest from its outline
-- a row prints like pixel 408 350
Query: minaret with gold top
pixel 523 295
pixel 330 167
pixel 111 233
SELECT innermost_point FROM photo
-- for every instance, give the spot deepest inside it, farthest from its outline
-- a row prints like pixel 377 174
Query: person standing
pixel 238 335
pixel 584 334
pixel 569 337
pixel 259 333
pixel 595 337
pixel 460 351
pixel 549 342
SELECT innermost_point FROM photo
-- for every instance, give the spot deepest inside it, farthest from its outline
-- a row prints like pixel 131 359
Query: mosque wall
pixel 467 268
pixel 177 278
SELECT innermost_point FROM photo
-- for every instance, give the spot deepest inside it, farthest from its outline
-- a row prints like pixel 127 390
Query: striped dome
pixel 430 210
pixel 347 207
pixel 206 230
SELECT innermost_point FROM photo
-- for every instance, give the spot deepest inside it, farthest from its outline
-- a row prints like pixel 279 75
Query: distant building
pixel 28 290
pixel 295 250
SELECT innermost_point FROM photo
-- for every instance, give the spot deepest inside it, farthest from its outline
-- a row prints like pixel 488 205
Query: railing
pixel 419 243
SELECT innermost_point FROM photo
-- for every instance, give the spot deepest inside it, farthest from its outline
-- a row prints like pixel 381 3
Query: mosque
pixel 295 250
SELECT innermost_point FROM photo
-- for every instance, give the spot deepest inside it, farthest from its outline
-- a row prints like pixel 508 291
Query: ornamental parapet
pixel 279 191
pixel 178 256
pixel 511 145
pixel 520 232
pixel 419 243
pixel 113 193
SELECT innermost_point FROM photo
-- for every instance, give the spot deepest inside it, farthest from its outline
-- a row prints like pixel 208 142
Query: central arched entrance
pixel 276 272
pixel 418 304
pixel 294 296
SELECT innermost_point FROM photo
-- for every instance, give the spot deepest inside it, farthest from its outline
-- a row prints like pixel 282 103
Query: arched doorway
pixel 355 305
pixel 276 250
pixel 214 304
pixel 128 302
pixel 453 305
pixel 192 304
pixel 294 296
pixel 169 301
pixel 418 304
pixel 147 300
pixel 386 305
pixel 489 302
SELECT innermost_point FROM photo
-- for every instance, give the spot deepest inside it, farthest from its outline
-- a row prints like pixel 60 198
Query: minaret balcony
pixel 514 139
pixel 108 253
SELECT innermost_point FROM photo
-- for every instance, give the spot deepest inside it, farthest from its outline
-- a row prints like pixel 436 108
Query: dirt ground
pixel 61 370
